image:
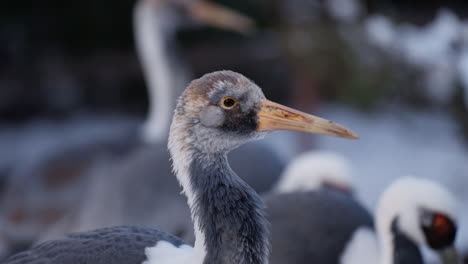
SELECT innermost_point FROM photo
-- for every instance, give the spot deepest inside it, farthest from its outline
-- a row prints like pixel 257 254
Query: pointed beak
pixel 222 17
pixel 450 256
pixel 273 116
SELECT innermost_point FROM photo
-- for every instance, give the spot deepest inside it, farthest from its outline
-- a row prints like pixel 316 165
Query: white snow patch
pixel 429 48
pixel 380 31
pixel 431 43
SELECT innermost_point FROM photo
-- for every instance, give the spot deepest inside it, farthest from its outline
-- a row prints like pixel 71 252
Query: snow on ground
pixel 35 139
pixel 431 48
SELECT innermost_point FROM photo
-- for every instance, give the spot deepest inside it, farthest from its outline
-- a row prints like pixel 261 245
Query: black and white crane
pixel 334 228
pixel 216 113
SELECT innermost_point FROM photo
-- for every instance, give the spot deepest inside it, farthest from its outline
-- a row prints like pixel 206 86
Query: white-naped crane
pixel 217 113
pixel 334 228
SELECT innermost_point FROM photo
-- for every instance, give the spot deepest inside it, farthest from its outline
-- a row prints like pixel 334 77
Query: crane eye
pixel 441 224
pixel 439 230
pixel 228 102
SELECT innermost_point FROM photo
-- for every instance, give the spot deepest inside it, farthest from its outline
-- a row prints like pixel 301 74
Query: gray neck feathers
pixel 230 214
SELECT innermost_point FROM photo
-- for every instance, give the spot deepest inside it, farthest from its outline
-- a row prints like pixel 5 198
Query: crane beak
pixel 273 116
pixel 222 17
pixel 450 256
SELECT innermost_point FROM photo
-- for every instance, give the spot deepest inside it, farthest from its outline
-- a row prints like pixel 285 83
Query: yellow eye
pixel 228 102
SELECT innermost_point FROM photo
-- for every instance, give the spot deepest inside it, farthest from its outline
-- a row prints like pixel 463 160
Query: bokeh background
pixel 394 71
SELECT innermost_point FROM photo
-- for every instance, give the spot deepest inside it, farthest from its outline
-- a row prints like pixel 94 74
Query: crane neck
pixel 398 248
pixel 228 215
pixel 155 25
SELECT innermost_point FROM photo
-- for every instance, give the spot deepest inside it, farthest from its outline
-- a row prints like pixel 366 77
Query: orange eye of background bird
pixel 229 102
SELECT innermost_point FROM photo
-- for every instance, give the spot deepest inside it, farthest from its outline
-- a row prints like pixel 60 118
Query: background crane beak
pixel 273 116
pixel 221 17
pixel 450 256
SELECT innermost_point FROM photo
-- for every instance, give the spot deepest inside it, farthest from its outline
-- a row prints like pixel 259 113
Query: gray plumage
pixel 231 213
pixel 126 244
pixel 257 164
pixel 114 245
pixel 313 226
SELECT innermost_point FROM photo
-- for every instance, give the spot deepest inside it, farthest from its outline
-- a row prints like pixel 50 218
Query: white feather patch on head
pixel 404 199
pixel 311 170
pixel 241 85
pixel 219 85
